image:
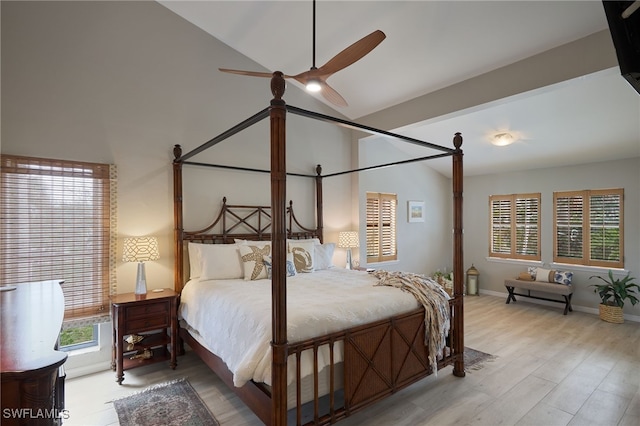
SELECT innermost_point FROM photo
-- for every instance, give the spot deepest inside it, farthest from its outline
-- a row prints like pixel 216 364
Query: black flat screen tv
pixel 623 18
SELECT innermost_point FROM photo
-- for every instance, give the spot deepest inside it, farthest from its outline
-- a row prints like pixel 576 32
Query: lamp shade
pixel 140 249
pixel 348 239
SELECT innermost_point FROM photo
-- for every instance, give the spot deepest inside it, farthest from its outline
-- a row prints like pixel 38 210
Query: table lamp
pixel 348 240
pixel 140 249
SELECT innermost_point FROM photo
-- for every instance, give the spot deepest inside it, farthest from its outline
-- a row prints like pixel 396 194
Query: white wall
pixel 121 83
pixel 614 174
pixel 423 247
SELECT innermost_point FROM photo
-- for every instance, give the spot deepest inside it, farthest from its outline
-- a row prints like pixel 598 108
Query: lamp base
pixel 141 280
pixel 349 262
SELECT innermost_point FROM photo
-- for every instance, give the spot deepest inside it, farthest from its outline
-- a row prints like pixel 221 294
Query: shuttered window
pixel 58 223
pixel 515 226
pixel 588 227
pixel 381 227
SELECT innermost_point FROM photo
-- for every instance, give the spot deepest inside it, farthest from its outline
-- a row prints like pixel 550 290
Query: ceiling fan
pixel 315 80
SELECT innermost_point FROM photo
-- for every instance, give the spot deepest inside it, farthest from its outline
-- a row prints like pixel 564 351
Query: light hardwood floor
pixel 549 369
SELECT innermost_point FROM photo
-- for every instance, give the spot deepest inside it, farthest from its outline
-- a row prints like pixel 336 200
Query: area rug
pixel 474 360
pixel 174 403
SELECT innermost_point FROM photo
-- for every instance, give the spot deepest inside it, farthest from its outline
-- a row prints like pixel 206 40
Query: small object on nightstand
pixel 146 354
pixel 158 290
pixel 151 324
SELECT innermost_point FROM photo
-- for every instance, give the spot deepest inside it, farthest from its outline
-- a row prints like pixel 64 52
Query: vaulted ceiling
pixel 431 45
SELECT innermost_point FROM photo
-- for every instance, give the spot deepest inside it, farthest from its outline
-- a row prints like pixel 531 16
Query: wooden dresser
pixel 31 317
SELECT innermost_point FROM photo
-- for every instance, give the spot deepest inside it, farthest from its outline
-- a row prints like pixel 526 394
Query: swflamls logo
pixel 34 413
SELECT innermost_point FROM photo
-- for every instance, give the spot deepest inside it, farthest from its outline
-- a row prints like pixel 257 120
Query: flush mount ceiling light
pixel 503 139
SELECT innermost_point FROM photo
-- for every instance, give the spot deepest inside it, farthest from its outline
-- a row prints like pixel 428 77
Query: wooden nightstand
pixel 149 316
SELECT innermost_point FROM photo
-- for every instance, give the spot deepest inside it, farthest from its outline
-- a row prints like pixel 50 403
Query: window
pixel 381 227
pixel 57 223
pixel 588 227
pixel 515 226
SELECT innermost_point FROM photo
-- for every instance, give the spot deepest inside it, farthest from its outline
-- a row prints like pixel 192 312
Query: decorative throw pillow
pixel 291 268
pixel 220 262
pixel 563 277
pixel 252 243
pixel 303 254
pixel 525 276
pixel 324 255
pixel 253 261
pixel 544 275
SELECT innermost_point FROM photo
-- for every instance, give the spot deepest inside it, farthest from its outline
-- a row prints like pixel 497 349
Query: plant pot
pixel 611 314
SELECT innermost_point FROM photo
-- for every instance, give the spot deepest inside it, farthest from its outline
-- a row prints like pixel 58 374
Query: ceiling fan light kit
pixel 315 79
pixel 313 85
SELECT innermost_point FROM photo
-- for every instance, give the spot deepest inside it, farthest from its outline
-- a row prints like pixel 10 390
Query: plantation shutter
pixel 605 223
pixel 527 226
pixel 569 223
pixel 381 227
pixel 515 226
pixel 589 227
pixel 58 224
pixel 500 226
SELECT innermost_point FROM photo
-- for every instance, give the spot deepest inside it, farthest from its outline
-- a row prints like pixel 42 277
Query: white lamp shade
pixel 140 249
pixel 348 239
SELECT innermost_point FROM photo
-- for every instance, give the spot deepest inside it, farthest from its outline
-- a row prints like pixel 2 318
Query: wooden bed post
pixel 319 206
pixel 458 259
pixel 177 218
pixel 278 114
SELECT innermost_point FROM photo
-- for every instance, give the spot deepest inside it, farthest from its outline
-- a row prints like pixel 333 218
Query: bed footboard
pixel 378 359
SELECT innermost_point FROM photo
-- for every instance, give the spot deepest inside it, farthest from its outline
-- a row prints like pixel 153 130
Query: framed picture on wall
pixel 415 211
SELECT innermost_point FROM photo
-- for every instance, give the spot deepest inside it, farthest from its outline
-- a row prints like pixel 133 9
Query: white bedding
pixel 233 317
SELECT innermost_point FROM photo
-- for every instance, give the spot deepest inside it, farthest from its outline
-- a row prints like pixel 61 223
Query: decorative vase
pixel 611 314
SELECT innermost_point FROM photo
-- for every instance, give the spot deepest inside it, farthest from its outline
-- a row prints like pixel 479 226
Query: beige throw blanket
pixel 436 307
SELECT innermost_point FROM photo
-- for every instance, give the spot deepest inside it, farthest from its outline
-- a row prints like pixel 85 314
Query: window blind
pixel 381 227
pixel 58 222
pixel 589 227
pixel 515 226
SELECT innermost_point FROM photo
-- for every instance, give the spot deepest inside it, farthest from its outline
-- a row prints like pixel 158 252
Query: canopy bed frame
pixel 399 355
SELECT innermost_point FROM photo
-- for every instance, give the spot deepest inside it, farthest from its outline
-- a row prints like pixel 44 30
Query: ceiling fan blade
pixel 352 53
pixel 331 95
pixel 249 73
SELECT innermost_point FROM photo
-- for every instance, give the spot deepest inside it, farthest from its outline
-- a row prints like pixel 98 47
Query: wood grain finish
pixel 279 233
pixel 151 315
pixel 549 370
pixel 31 318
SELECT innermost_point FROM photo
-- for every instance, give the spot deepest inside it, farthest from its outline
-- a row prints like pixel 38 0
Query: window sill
pixel 515 261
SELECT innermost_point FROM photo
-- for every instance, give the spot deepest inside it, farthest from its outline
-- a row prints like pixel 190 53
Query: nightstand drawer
pixel 145 324
pixel 147 310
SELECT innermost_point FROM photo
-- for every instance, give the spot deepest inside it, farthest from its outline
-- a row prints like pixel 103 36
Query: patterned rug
pixel 173 403
pixel 474 360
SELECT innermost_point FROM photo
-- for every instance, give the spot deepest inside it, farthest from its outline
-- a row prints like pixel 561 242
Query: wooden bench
pixel 566 291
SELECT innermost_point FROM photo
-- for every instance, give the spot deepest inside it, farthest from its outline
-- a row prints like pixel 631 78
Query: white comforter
pixel 233 317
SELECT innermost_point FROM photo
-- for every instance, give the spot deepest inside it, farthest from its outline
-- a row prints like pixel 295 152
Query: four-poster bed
pixel 361 363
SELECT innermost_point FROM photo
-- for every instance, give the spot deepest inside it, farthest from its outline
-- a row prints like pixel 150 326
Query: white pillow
pixel 195 262
pixel 220 262
pixel 542 275
pixel 303 254
pixel 253 261
pixel 324 255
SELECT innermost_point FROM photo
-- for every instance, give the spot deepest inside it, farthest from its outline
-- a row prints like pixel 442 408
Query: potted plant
pixel 613 294
pixel 445 279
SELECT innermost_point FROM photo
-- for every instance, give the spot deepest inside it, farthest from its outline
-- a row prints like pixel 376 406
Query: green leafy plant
pixel 614 292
